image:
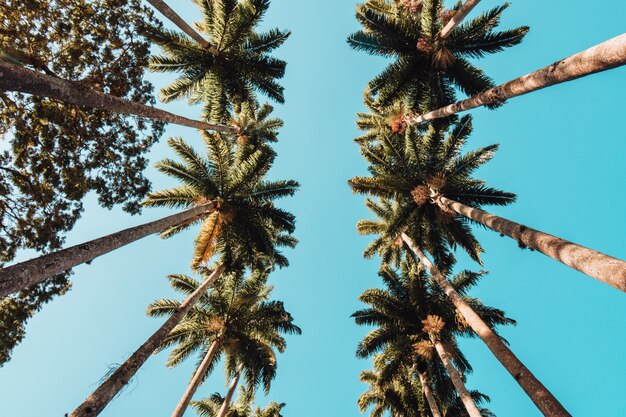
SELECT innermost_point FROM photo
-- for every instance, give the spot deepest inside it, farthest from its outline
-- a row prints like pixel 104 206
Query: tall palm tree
pixel 432 180
pixel 539 394
pixel 236 315
pixel 604 56
pixel 426 69
pixel 241 64
pixel 400 312
pixel 406 167
pixel 16 77
pixel 226 191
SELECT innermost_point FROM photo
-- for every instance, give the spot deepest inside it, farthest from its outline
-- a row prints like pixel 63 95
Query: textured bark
pixel 604 268
pixel 432 404
pixel 229 394
pixel 602 57
pixel 457 18
pixel 17 78
pixel 97 401
pixel 196 380
pixel 457 380
pixel 543 399
pixel 168 12
pixel 22 275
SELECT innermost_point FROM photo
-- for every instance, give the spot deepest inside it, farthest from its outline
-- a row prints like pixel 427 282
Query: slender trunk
pixel 457 18
pixel 101 397
pixel 196 380
pixel 18 78
pixel 434 409
pixel 602 57
pixel 168 12
pixel 604 268
pixel 457 380
pixel 229 394
pixel 543 399
pixel 24 274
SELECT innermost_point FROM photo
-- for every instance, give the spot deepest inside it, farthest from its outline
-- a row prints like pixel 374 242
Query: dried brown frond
pixel 443 58
pixel 215 324
pixel 433 324
pixel 421 194
pixel 399 125
pixel 424 349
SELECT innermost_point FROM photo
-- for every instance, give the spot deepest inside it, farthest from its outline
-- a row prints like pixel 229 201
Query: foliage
pixel 240 65
pixel 245 220
pixel 426 70
pixel 210 406
pixel 53 153
pixel 239 314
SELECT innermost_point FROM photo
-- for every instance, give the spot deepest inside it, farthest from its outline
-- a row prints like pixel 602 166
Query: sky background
pixel 562 151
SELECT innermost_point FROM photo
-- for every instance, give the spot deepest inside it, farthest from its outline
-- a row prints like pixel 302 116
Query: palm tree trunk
pixel 229 394
pixel 196 380
pixel 602 57
pixel 457 18
pixel 22 275
pixel 543 399
pixel 101 397
pixel 604 268
pixel 168 12
pixel 434 409
pixel 457 380
pixel 18 78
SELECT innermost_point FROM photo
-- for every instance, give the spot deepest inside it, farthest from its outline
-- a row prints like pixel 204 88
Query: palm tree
pixel 604 56
pixel 426 68
pixel 209 407
pixel 401 313
pixel 406 167
pixel 226 191
pixel 236 315
pixel 539 394
pixel 241 64
pixel 16 77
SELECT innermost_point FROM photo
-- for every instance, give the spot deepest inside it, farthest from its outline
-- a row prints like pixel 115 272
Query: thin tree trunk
pixel 543 399
pixel 229 394
pixel 24 274
pixel 604 268
pixel 18 78
pixel 457 380
pixel 101 397
pixel 434 409
pixel 457 18
pixel 602 57
pixel 168 12
pixel 196 380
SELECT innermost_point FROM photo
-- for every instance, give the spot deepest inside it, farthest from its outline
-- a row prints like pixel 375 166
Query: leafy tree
pixel 56 153
pixel 426 69
pixel 237 316
pixel 240 65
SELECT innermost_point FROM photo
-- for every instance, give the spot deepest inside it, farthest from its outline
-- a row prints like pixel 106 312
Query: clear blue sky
pixel 562 151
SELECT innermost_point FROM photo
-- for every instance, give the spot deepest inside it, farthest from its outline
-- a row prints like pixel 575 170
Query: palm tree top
pixel 243 407
pixel 245 219
pixel 240 64
pixel 409 170
pixel 426 69
pixel 239 313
